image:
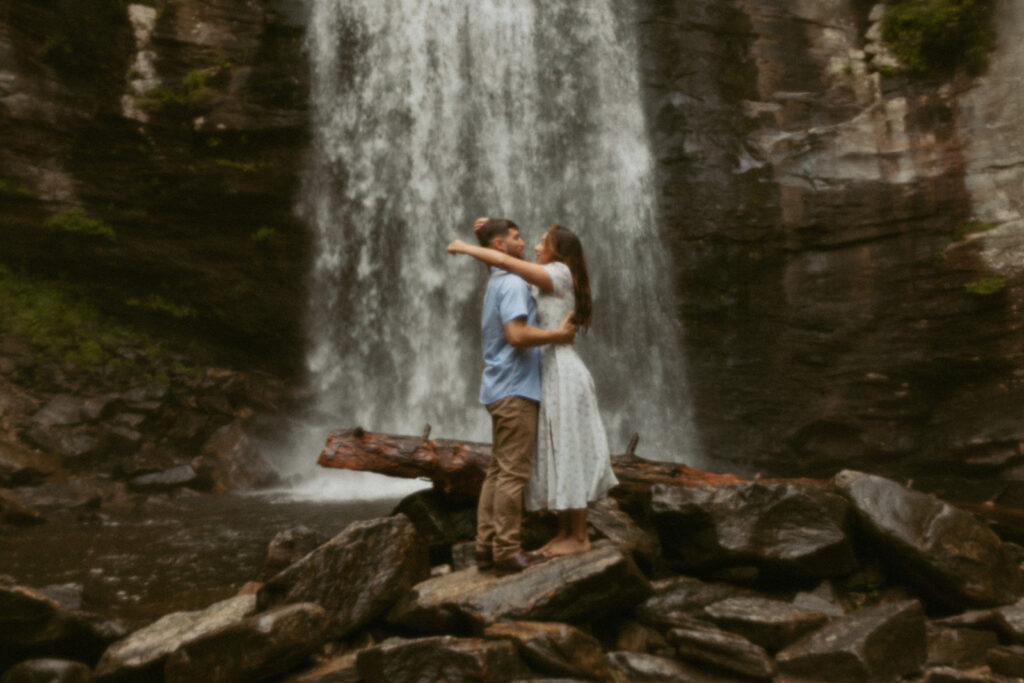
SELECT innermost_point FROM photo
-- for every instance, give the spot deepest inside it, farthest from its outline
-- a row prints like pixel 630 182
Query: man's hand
pixel 566 330
pixel 457 247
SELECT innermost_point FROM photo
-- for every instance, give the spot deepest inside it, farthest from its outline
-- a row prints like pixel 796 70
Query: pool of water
pixel 180 553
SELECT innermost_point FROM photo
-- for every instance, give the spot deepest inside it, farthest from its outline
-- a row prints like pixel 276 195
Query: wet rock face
pixel 811 199
pixel 944 551
pixel 183 128
pixel 776 528
pixel 381 559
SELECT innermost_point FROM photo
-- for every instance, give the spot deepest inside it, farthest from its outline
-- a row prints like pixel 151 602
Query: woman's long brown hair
pixel 566 247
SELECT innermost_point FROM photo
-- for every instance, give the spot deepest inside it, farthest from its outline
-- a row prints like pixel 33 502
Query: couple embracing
pixel 548 438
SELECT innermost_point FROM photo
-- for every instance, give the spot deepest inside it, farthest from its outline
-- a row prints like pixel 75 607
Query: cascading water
pixel 429 113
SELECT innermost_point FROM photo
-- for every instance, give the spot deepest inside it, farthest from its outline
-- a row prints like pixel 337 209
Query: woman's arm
pixel 533 273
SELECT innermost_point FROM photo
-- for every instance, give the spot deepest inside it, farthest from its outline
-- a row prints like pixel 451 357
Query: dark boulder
pixel 637 667
pixel 231 461
pixel 607 520
pixel 21 467
pixel 288 546
pixel 943 551
pixel 683 597
pixel 47 671
pixel 722 650
pixel 553 648
pixel 356 576
pixel 772 624
pixel 439 520
pixel 576 587
pixel 958 647
pixel 881 643
pixel 33 625
pixel 1007 660
pixel 141 655
pixel 168 480
pixel 15 511
pixel 782 530
pixel 260 647
pixel 441 658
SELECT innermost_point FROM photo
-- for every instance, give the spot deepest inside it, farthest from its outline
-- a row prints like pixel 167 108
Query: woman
pixel 572 465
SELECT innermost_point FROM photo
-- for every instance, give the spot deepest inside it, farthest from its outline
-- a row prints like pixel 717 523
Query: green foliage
pixel 244 166
pixel 158 304
pixel 265 234
pixel 986 286
pixel 938 36
pixel 63 329
pixel 76 221
pixel 14 188
pixel 971 227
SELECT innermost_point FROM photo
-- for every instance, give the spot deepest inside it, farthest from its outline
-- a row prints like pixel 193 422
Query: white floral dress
pixel 572 464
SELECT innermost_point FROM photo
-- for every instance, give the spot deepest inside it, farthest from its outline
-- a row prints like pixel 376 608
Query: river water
pixel 171 554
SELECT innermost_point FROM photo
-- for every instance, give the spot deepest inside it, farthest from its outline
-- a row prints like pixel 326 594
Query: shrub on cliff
pixel 939 36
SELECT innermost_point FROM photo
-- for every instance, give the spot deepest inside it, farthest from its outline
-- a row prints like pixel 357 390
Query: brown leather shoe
pixel 483 559
pixel 518 563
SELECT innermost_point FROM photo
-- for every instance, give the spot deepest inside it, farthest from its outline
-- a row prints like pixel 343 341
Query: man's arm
pixel 520 335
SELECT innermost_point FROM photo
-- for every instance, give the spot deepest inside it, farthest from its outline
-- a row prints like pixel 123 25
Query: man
pixel 510 389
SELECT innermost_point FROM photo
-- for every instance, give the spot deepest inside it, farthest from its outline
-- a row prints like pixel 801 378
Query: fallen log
pixel 457 467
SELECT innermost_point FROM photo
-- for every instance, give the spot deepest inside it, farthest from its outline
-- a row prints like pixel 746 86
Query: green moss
pixel 244 166
pixel 158 304
pixel 265 234
pixel 64 329
pixel 939 36
pixel 969 228
pixel 986 286
pixel 77 222
pixel 14 188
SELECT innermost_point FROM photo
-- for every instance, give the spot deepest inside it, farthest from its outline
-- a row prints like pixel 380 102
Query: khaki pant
pixel 499 513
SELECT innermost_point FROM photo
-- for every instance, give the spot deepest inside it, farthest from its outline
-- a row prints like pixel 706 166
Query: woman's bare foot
pixel 568 546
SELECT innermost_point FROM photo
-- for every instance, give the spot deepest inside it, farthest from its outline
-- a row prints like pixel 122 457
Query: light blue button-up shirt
pixel 508 371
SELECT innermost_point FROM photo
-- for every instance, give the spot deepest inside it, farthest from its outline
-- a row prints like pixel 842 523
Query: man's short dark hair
pixel 494 227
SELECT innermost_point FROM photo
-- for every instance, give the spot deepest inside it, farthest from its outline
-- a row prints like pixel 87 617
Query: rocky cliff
pixel 151 156
pixel 848 236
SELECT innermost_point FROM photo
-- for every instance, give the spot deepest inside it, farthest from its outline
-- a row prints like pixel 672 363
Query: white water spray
pixel 429 113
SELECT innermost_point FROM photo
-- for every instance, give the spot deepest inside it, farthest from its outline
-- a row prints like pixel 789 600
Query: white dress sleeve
pixel 561 278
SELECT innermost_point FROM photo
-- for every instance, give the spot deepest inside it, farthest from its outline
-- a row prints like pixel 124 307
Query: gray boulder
pixel 683 597
pixel 783 530
pixel 576 587
pixel 33 625
pixel 958 647
pixel 62 409
pixel 15 511
pixel 554 648
pixel 637 667
pixel 356 576
pixel 943 551
pixel 877 644
pixel 1007 660
pixel 47 671
pixel 441 658
pixel 141 656
pixel 289 546
pixel 254 649
pixel 21 467
pixel 723 650
pixel 168 480
pixel 772 624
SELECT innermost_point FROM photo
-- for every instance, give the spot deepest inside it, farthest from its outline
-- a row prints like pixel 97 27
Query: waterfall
pixel 429 113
